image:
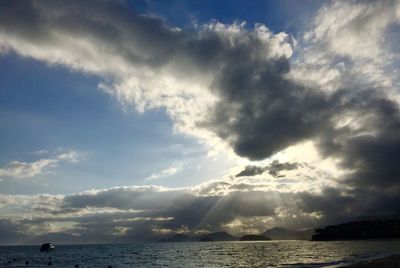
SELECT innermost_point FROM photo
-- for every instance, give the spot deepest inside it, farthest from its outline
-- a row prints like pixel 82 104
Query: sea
pixel 201 254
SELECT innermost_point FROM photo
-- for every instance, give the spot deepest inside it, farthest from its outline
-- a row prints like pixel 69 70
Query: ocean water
pixel 201 254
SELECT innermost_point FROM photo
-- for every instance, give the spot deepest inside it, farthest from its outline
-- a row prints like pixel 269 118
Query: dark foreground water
pixel 206 254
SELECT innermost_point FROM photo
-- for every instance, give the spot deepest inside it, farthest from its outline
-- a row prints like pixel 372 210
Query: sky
pixel 128 121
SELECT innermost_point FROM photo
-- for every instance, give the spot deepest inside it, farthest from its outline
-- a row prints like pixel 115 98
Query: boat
pixel 46 247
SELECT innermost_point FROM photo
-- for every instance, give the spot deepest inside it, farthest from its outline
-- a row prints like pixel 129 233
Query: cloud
pixel 215 80
pixel 71 156
pixel 225 83
pixel 140 197
pixel 356 39
pixel 164 173
pixel 143 61
pixel 123 214
pixel 355 28
pixel 351 42
pixel 140 211
pixel 369 152
pixel 260 112
pixel 251 171
pixel 137 213
pixel 273 169
pixel 18 170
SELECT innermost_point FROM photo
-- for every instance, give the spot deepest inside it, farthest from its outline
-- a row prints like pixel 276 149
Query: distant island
pixel 217 236
pixel 366 229
pixel 276 233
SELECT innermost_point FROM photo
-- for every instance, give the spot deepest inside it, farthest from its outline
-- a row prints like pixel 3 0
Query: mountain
pixel 218 236
pixel 278 233
pixel 177 238
pixel 254 238
pixel 368 229
pixel 274 234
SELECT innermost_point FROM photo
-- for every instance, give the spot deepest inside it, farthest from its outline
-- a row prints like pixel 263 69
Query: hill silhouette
pixel 279 233
pixel 368 229
pixel 217 236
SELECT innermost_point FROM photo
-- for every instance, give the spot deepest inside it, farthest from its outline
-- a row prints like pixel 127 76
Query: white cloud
pixel 164 173
pixel 355 29
pixel 71 156
pixel 18 170
pixel 350 43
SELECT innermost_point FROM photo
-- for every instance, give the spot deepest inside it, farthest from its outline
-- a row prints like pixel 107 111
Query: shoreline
pixel 392 261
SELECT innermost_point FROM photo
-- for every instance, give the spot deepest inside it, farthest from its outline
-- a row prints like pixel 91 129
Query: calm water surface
pixel 207 254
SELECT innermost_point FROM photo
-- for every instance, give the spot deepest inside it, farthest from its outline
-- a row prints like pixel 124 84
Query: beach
pixel 385 262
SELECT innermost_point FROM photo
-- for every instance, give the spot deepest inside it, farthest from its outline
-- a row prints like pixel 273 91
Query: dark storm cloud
pixel 332 203
pixel 371 150
pixel 370 153
pixel 139 39
pixel 251 171
pixel 274 168
pixel 260 112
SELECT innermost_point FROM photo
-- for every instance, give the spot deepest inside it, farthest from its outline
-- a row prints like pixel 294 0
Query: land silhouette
pixel 272 234
pixel 279 233
pixel 358 230
pixel 355 230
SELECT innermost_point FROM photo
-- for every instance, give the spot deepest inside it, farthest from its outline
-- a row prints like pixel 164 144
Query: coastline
pixel 392 261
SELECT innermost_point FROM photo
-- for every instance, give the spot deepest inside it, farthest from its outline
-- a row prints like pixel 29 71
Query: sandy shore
pixel 386 262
